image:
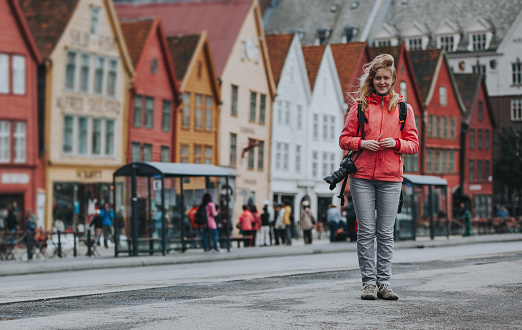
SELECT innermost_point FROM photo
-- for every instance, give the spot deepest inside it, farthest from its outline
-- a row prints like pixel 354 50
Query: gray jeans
pixel 376 205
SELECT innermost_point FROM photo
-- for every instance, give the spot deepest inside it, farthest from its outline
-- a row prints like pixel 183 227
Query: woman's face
pixel 382 81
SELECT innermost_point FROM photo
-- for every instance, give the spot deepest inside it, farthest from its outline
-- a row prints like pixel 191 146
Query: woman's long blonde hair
pixel 366 82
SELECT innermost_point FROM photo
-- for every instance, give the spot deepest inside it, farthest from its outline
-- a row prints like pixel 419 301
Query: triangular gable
pixel 447 27
pixel 349 59
pixel 513 31
pixel 136 32
pixel 24 28
pixel 385 32
pixel 47 20
pixel 278 48
pixel 313 56
pixel 469 86
pixel 426 65
pixel 415 29
pixel 479 25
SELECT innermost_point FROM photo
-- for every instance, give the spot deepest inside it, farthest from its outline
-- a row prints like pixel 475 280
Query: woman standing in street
pixel 376 186
pixel 210 229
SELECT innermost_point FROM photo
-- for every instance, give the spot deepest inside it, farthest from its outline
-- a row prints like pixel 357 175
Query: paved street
pixel 468 286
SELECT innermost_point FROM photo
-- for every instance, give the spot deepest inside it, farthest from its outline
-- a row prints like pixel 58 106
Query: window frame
pixel 148 121
pixel 165 154
pixel 234 99
pixel 233 149
pixel 23 75
pixel 166 115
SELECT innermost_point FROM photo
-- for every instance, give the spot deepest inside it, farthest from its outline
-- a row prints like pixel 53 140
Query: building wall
pixel 249 76
pixel 159 86
pixel 25 178
pixel 198 80
pixel 60 101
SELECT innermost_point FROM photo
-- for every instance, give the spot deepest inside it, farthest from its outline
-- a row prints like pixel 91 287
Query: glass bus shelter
pixel 154 205
pixel 425 208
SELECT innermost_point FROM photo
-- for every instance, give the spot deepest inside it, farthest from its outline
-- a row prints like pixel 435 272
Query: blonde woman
pixel 376 185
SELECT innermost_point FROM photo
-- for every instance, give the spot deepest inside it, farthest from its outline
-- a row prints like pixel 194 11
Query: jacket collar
pixel 374 98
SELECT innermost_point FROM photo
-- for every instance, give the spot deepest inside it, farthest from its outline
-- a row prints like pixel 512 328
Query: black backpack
pixel 201 216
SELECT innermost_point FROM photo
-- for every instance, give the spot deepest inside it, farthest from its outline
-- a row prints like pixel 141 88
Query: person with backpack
pixel 376 185
pixel 210 228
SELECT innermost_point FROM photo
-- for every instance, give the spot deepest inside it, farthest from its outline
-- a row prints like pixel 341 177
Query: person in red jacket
pixel 246 221
pixel 377 184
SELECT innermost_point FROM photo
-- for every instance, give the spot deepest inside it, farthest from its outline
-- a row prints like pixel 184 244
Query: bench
pixel 239 239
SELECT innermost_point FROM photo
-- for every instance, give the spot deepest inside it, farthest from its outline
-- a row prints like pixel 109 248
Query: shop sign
pixel 15 178
pixel 475 187
pixel 89 175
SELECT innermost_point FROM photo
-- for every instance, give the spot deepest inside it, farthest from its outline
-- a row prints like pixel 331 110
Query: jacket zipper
pixel 382 118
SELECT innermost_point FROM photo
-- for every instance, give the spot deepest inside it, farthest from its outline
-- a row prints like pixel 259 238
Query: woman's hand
pixel 371 145
pixel 388 143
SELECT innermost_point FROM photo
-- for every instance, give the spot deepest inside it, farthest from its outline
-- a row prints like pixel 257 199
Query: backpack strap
pixel 403 112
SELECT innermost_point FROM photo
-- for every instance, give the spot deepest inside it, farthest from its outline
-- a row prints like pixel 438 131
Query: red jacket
pixel 386 164
pixel 246 219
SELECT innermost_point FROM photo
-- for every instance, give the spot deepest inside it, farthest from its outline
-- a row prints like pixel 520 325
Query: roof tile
pixel 424 63
pixel 182 50
pixel 278 47
pixel 136 33
pixel 347 58
pixel 313 56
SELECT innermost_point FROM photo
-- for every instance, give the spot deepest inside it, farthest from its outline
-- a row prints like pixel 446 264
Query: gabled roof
pixel 24 27
pixel 313 56
pixel 349 59
pixel 222 19
pixel 469 85
pixel 47 20
pixel 424 64
pixel 182 50
pixel 278 47
pixel 136 33
pixel 394 51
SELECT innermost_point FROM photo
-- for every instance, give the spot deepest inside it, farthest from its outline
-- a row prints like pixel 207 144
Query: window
pixel 233 149
pixel 20 134
pixel 5 141
pixel 325 164
pixel 332 163
pixel 109 137
pixel 286 156
pixel 185 121
pixel 437 161
pixel 430 125
pixel 479 170
pixel 208 113
pixel 67 144
pixel 480 139
pixel 486 170
pixel 165 118
pixel 137 110
pixel 299 117
pixel 261 156
pixel 112 77
pixel 486 138
pixel 442 94
pixel 322 36
pixel 85 72
pixel 516 110
pixel 451 167
pixel 208 155
pixel 18 75
pixel 199 111
pixel 479 68
pixel 98 75
pixel 149 112
pixel 136 152
pixel 287 113
pixel 165 154
pixel 95 21
pixel 253 100
pixel 197 154
pixel 234 100
pixel 471 170
pixel 147 152
pixel 429 162
pixel 453 127
pixel 96 136
pixel 447 43
pixel 478 41
pixel 278 155
pixel 383 43
pixel 333 131
pixel 480 113
pixel 415 44
pixel 444 162
pixel 472 139
pixel 516 69
pixel 297 158
pixel 4 73
pixel 82 135
pixel 316 126
pixel 349 33
pixel 251 155
pixel 445 128
pixel 184 152
pixel 315 166
pixel 325 126
pixel 403 90
pixel 439 127
pixel 262 108
pixel 70 70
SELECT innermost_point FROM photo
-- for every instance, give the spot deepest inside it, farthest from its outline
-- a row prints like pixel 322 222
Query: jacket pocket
pixel 392 164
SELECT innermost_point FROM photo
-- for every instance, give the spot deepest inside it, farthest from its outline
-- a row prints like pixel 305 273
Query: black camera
pixel 345 167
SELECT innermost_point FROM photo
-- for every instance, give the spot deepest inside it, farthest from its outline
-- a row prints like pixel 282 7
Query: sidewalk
pixel 107 259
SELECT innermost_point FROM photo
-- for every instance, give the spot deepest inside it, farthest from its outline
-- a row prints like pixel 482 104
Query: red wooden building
pixel 21 171
pixel 477 169
pixel 154 94
pixel 444 111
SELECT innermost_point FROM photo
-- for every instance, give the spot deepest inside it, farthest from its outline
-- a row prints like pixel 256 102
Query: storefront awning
pixel 427 180
pixel 170 169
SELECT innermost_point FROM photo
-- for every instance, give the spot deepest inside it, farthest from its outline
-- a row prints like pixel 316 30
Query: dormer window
pixel 322 36
pixel 448 36
pixel 415 44
pixel 349 33
pixel 383 43
pixel 300 33
pixel 386 36
pixel 416 36
pixel 480 35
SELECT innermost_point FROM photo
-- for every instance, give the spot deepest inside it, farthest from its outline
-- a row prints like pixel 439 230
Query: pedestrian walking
pixel 279 226
pixel 210 228
pixel 307 222
pixel 376 186
pixel 264 237
pixel 246 220
pixel 107 217
pixel 98 227
pixel 287 220
pixel 271 219
pixel 256 225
